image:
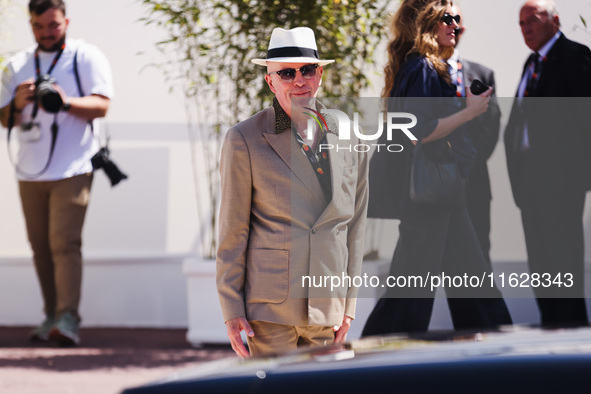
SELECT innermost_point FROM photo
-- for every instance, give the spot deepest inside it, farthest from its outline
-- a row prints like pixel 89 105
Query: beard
pixel 53 47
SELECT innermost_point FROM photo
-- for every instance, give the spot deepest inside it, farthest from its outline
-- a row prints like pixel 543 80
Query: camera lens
pixel 49 98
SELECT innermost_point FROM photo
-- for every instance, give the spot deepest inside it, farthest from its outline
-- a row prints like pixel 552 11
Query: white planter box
pixel 206 324
pixel 118 290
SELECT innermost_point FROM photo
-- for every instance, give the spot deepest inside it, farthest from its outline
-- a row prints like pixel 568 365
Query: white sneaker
pixel 41 332
pixel 65 330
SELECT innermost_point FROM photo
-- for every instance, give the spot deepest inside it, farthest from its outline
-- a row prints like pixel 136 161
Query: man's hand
pixel 234 327
pixel 62 93
pixel 341 332
pixel 24 94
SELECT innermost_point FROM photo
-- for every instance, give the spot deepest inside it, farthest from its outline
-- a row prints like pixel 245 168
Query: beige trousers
pixel 54 214
pixel 272 339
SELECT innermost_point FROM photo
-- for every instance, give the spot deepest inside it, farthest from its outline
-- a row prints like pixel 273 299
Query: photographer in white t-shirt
pixel 40 101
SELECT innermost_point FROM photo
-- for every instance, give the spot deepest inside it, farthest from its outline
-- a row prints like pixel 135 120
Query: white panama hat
pixel 297 45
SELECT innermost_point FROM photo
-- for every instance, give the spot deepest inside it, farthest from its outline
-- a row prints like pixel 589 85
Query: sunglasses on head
pixel 448 19
pixel 288 74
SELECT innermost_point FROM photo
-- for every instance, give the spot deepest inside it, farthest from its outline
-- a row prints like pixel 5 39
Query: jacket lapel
pixel 549 65
pixel 468 77
pixel 288 149
pixel 336 163
pixel 336 173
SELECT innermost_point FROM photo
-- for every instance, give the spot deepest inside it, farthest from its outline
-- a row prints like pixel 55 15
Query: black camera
pixel 478 87
pixel 101 160
pixel 48 97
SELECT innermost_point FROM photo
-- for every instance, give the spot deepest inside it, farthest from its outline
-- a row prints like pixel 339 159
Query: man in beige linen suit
pixel 289 209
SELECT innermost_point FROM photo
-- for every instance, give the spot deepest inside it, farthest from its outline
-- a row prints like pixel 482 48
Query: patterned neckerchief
pixel 318 160
pixel 283 122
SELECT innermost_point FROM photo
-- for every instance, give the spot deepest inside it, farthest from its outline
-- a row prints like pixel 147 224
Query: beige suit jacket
pixel 275 226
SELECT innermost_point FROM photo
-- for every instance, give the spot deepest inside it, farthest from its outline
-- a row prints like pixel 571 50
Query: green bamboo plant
pixel 5 7
pixel 207 52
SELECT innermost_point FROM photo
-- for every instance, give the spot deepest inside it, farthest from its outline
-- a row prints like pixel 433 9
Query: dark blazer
pixel 484 131
pixel 559 127
pixel 428 97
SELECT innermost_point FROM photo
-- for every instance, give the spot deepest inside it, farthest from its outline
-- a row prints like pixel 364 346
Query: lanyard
pixel 53 63
pixel 38 71
pixel 54 126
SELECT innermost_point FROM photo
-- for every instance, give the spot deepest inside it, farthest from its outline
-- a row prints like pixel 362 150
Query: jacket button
pixel 313 231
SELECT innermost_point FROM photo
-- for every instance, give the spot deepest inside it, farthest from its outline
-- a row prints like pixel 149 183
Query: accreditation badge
pixel 30 132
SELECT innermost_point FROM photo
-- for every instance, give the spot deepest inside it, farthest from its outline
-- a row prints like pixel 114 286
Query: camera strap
pixel 38 71
pixel 79 85
pixel 54 126
pixel 54 129
pixel 102 156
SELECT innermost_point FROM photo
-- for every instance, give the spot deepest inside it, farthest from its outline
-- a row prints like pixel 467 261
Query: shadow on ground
pixel 106 349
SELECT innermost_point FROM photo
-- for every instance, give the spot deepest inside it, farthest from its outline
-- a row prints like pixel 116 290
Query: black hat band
pixel 292 52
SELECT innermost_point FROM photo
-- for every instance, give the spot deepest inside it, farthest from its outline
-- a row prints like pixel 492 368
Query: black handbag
pixel 435 178
pixel 388 171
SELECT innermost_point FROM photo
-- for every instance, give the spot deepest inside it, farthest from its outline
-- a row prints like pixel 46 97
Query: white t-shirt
pixel 76 143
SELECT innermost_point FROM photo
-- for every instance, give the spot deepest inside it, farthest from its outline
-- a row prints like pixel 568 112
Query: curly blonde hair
pixel 429 21
pixel 415 29
pixel 403 30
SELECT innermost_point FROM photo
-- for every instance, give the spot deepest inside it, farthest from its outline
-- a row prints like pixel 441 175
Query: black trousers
pixel 478 203
pixel 553 227
pixel 433 242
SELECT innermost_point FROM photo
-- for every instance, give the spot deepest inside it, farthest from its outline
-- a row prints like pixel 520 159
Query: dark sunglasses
pixel 288 74
pixel 448 19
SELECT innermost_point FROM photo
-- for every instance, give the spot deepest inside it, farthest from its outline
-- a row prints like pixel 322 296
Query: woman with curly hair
pixel 434 240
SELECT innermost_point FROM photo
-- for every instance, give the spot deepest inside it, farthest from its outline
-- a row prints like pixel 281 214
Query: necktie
pixel 534 77
pixel 522 142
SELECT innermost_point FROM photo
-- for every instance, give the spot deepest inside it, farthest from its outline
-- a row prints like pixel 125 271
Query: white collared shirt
pixel 76 143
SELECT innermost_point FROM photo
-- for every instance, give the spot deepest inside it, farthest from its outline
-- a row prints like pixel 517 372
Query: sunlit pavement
pixel 107 361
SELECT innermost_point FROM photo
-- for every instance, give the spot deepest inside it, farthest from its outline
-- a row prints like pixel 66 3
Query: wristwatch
pixel 66 107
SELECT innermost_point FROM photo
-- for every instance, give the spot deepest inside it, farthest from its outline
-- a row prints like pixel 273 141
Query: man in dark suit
pixel 484 131
pixel 548 147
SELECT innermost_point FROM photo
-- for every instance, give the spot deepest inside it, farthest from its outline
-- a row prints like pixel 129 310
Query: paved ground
pixel 108 361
